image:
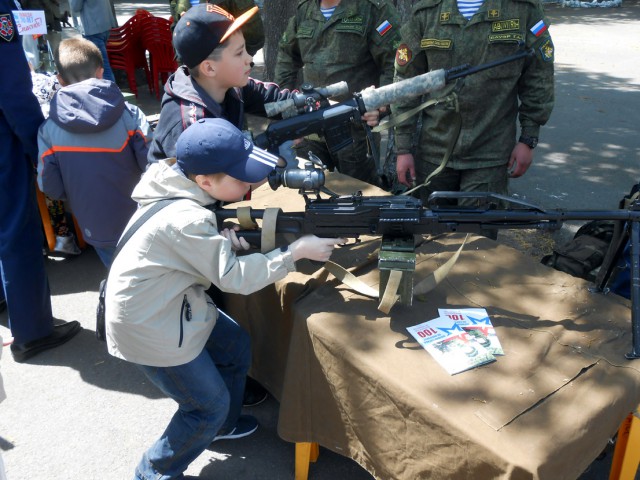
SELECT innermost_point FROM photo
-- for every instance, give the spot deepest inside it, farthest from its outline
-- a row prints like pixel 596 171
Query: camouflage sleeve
pixel 289 61
pixel 536 85
pixel 384 39
pixel 410 61
pixel 253 30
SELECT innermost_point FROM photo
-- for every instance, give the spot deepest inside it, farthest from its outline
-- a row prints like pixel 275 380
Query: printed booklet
pixel 450 345
pixel 475 321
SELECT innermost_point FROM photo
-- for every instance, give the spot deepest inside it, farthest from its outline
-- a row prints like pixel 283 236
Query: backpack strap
pixel 156 207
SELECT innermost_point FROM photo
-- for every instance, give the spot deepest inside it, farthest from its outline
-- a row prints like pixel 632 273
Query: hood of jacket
pixel 90 106
pixel 179 86
pixel 164 180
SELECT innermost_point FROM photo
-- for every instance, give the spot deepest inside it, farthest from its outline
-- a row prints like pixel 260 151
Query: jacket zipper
pixel 185 313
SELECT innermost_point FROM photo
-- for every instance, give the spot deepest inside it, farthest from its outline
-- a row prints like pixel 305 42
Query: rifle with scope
pixel 310 112
pixel 400 219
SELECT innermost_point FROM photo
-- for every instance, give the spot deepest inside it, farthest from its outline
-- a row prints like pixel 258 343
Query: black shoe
pixel 254 393
pixel 61 334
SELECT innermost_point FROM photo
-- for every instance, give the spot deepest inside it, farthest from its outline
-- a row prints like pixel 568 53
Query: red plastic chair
pixel 156 39
pixel 126 52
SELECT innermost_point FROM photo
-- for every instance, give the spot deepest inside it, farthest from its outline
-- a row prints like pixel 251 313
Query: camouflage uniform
pixel 253 30
pixel 355 45
pixel 438 36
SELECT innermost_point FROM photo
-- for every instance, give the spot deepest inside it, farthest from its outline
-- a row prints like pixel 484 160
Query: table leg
pixel 305 452
pixel 626 456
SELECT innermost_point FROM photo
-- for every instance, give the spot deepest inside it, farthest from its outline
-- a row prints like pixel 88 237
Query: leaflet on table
pixel 476 321
pixel 450 345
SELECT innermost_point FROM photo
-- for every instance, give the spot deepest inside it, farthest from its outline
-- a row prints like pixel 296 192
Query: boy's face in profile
pixel 223 187
pixel 234 66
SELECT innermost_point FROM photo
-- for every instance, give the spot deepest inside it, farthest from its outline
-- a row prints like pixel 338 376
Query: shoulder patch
pixel 7 29
pixel 403 55
pixel 546 50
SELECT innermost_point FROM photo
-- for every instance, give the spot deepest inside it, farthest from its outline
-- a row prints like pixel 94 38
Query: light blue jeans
pixel 100 41
pixel 209 393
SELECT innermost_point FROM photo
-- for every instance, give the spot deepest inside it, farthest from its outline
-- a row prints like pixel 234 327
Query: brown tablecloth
pixel 353 379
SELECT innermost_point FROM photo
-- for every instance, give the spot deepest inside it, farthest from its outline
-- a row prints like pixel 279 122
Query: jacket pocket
pixel 185 315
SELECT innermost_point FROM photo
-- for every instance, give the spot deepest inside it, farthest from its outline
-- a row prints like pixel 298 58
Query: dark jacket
pixel 92 153
pixel 185 102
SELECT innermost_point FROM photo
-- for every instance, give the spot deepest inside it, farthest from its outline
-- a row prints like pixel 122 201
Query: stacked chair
pixel 156 39
pixel 126 51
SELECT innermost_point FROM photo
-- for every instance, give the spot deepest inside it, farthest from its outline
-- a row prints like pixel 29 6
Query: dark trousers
pixel 22 268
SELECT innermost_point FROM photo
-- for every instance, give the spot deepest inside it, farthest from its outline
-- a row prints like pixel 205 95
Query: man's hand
pixel 520 160
pixel 372 117
pixel 406 169
pixel 314 248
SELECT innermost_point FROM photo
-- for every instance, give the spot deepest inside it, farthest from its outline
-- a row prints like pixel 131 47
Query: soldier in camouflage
pixel 479 125
pixel 355 44
pixel 253 30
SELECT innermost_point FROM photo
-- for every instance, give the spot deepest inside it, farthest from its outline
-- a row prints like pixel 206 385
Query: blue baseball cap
pixel 214 145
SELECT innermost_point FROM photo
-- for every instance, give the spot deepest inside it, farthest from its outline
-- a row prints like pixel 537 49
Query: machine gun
pixel 399 219
pixel 309 111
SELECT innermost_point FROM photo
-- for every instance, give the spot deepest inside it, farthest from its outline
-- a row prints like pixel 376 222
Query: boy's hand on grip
pixel 314 248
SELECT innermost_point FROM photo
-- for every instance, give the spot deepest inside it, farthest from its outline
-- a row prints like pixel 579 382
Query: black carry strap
pixel 159 205
pixel 102 291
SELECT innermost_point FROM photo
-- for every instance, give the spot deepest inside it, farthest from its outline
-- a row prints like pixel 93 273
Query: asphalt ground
pixel 77 413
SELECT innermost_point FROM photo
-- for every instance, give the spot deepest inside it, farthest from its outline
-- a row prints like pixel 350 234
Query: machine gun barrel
pixel 398 219
pixel 400 216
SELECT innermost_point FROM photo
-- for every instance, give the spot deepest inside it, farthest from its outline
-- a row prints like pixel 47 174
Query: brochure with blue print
pixel 450 345
pixel 477 323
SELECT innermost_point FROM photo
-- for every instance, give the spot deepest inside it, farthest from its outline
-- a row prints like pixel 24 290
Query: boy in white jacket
pixel 158 314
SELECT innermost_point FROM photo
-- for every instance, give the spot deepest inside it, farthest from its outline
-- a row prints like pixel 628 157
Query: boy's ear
pixel 203 181
pixel 207 69
pixel 61 80
pixel 99 73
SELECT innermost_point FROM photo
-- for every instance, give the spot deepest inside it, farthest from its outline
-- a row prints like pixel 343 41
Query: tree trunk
pixel 276 15
pixel 404 8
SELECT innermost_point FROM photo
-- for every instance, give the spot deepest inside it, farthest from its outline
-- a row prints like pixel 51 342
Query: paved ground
pixel 77 413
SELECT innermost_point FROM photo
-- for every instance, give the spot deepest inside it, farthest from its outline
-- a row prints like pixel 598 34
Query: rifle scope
pixel 307 179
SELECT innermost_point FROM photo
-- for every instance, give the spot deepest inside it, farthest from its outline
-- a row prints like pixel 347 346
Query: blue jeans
pixel 105 254
pixel 100 40
pixel 209 392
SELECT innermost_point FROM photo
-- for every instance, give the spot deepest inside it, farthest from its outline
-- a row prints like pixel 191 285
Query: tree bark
pixel 404 8
pixel 276 15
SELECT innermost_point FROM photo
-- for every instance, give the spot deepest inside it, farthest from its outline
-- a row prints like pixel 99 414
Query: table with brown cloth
pixel 352 378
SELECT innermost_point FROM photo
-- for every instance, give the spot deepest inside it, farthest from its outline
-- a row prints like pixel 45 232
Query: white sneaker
pixel 67 245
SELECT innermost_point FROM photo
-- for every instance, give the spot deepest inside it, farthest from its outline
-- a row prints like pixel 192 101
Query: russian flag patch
pixel 539 28
pixel 384 27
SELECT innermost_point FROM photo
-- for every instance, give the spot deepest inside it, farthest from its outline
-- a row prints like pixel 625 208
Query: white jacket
pixel 157 311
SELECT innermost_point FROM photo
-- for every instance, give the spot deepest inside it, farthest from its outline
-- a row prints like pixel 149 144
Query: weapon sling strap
pixel 397 120
pixel 156 207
